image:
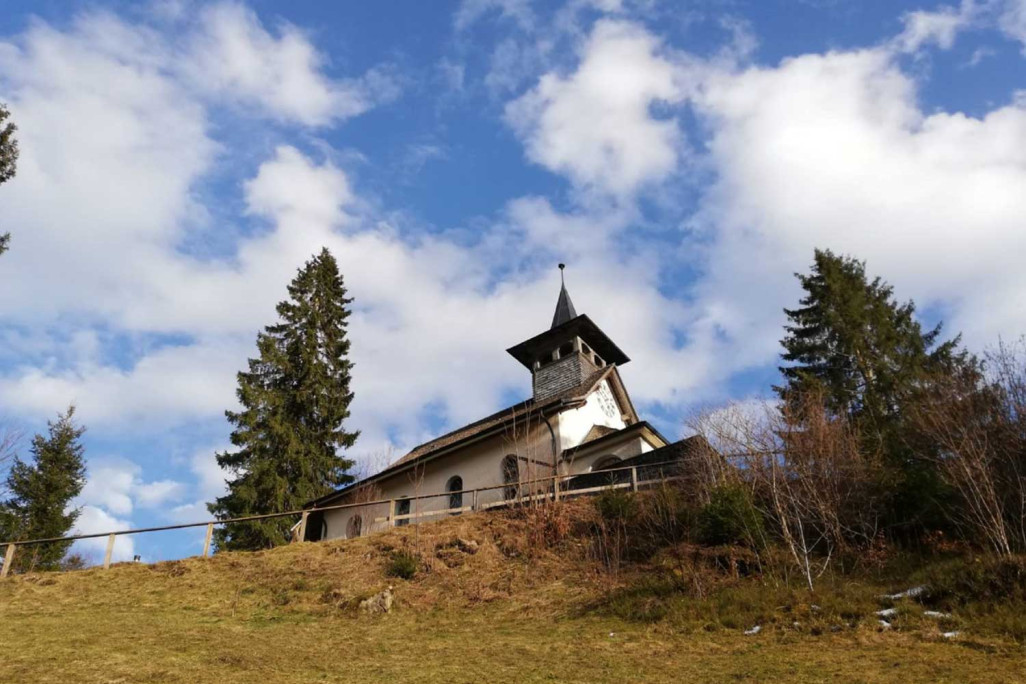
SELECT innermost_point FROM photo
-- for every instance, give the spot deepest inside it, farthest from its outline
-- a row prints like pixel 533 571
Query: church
pixel 579 420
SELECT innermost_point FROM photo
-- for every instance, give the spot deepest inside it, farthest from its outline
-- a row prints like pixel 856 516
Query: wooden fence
pixel 556 487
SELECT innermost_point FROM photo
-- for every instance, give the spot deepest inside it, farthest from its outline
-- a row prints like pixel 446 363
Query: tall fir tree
pixel 868 358
pixel 295 398
pixel 42 491
pixel 850 340
pixel 8 159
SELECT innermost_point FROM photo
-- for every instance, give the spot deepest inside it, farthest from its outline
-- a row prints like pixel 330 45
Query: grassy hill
pixel 518 607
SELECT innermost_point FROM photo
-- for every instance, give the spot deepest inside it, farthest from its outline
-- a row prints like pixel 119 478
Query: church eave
pixel 580 326
pixel 640 428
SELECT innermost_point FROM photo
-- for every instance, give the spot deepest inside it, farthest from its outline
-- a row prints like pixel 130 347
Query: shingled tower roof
pixel 564 307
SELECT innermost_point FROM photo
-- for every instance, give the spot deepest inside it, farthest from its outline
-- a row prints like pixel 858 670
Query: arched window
pixel 605 463
pixel 566 349
pixel 510 477
pixel 402 507
pixel 354 527
pixel 455 488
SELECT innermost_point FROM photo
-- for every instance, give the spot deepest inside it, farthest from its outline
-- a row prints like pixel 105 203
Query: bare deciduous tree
pixel 806 472
pixel 974 428
pixel 10 439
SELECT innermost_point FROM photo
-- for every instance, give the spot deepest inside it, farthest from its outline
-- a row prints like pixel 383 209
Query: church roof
pixel 519 409
pixel 596 432
pixel 581 326
pixel 564 309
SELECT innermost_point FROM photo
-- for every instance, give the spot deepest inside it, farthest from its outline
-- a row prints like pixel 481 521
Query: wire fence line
pixel 557 487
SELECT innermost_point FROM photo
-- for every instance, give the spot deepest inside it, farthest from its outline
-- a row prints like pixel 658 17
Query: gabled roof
pixel 597 431
pixel 579 392
pixel 640 428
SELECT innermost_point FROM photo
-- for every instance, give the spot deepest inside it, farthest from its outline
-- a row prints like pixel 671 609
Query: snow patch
pixel 908 593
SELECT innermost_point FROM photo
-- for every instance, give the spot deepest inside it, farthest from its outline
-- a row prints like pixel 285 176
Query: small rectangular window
pixel 402 507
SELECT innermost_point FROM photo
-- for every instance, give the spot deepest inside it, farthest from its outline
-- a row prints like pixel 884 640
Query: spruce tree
pixel 8 159
pixel 869 359
pixel 295 398
pixel 853 342
pixel 42 490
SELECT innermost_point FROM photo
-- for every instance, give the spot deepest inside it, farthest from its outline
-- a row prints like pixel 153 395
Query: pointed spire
pixel 564 307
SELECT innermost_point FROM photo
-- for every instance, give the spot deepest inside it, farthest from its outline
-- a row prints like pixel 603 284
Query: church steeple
pixel 568 353
pixel 564 306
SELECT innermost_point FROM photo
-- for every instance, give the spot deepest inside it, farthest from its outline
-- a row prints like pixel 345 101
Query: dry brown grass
pixel 517 609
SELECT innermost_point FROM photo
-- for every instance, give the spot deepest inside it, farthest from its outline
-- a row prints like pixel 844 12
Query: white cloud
pixel 110 485
pixel 941 27
pixel 453 74
pixel 171 383
pixel 117 486
pixel 1012 21
pixel 233 53
pixel 209 483
pixel 93 520
pixel 596 125
pixel 833 151
pixel 938 27
pixel 157 494
pixel 470 11
pixel 122 166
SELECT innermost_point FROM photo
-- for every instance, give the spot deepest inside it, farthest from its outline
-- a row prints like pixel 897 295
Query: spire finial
pixel 564 307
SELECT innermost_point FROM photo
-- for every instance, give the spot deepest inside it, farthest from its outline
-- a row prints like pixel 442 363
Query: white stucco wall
pixel 634 446
pixel 600 408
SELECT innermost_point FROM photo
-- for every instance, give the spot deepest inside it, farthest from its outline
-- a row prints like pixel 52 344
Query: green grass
pixel 503 613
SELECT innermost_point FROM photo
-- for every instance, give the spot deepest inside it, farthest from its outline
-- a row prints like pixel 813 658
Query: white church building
pixel 579 420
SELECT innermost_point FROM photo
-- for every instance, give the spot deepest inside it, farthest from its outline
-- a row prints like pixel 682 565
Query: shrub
pixel 74 561
pixel 666 517
pixel 616 506
pixel 402 564
pixel 961 581
pixel 617 512
pixel 730 517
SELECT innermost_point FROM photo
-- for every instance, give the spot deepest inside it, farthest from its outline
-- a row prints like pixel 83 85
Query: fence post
pixel 473 502
pixel 8 559
pixel 110 550
pixel 555 487
pixel 634 479
pixel 302 526
pixel 391 512
pixel 206 542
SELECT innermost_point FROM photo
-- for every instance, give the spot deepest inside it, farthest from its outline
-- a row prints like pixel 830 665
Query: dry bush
pixel 549 525
pixel 614 528
pixel 807 473
pixel 974 429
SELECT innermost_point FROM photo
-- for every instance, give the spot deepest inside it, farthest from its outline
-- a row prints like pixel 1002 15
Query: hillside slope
pixel 489 602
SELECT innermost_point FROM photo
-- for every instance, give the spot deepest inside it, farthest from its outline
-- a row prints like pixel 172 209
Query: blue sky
pixel 181 159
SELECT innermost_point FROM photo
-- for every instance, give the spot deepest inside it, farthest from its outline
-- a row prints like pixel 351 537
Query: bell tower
pixel 568 353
